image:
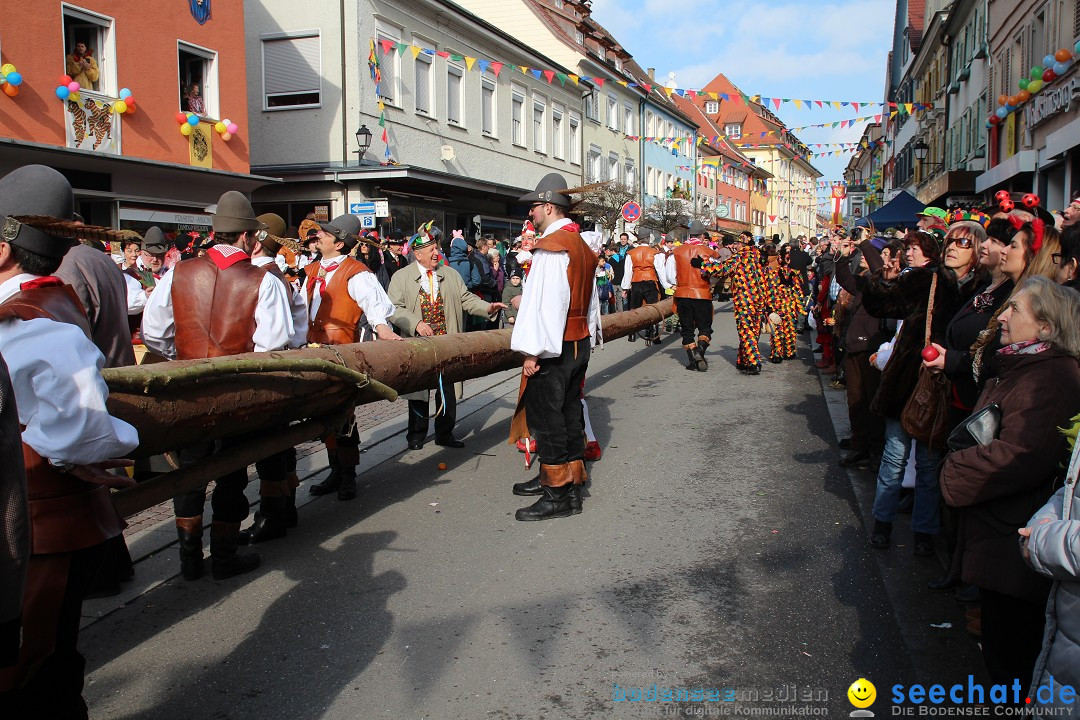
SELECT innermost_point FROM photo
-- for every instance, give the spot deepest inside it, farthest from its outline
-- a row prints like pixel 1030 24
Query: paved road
pixel 720 547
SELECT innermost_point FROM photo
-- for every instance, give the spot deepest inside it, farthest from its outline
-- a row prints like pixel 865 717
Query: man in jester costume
pixel 747 285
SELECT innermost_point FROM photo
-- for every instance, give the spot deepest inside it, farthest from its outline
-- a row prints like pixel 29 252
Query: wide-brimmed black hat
pixel 345 228
pixel 396 237
pixel 550 189
pixel 154 241
pixel 35 191
pixel 233 214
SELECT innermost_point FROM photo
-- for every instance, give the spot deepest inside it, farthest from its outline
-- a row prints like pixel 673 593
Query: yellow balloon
pixel 185 129
pixel 7 68
pixel 120 106
pixel 219 126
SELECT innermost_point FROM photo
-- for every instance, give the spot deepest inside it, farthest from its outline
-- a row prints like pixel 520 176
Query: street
pixel 720 547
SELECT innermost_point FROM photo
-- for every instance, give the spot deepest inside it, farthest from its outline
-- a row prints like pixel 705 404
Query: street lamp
pixel 921 149
pixel 363 140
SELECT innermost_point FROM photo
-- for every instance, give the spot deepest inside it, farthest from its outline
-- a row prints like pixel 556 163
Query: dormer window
pixel 712 107
pixel 618 64
pixel 733 130
pixel 579 37
pixel 559 4
pixel 601 52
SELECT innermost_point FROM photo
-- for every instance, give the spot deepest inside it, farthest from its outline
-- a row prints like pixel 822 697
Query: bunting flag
pixel 376 78
pixel 483 64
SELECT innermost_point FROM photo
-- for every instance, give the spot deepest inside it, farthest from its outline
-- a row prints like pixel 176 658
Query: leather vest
pixel 689 282
pixel 214 309
pixel 580 273
pixel 641 260
pixel 66 514
pixel 338 318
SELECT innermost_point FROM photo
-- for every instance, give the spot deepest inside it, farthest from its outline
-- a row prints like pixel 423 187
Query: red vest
pixel 66 514
pixel 214 308
pixel 689 282
pixel 339 315
pixel 580 274
pixel 641 262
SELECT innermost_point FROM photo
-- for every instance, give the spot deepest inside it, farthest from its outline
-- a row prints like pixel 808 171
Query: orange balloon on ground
pixel 442 466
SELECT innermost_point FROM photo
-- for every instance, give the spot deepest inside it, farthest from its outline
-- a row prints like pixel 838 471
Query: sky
pixel 802 49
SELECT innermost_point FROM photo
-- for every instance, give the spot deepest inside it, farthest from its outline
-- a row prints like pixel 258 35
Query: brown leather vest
pixel 66 514
pixel 214 309
pixel 689 282
pixel 580 274
pixel 338 318
pixel 641 261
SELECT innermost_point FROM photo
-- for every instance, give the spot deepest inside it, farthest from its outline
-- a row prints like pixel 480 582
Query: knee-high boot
pixel 189 530
pixel 225 562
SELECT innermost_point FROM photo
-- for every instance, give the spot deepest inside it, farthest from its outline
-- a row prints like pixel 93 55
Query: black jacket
pixel 865 333
pixel 962 332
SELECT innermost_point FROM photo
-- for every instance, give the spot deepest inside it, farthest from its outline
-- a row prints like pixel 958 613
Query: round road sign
pixel 631 211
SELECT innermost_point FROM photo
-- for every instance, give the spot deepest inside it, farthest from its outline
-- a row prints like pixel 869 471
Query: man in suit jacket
pixel 101 289
pixel 430 300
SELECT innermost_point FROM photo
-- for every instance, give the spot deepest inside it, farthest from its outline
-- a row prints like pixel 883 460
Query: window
pixel 650 125
pixel 712 107
pixel 575 139
pixel 422 69
pixel 389 63
pixel 517 120
pixel 631 176
pixel 613 167
pixel 197 68
pixel 601 53
pixel 487 106
pixel 454 88
pixel 733 130
pixel 539 126
pixel 593 169
pixel 579 38
pixel 591 111
pixel 628 120
pixel 89 50
pixel 558 3
pixel 612 112
pixel 557 132
pixel 618 64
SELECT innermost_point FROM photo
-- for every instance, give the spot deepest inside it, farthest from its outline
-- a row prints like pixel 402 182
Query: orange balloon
pixel 1003 99
pixel 11 90
pixel 1013 100
pixel 1023 96
pixel 1063 55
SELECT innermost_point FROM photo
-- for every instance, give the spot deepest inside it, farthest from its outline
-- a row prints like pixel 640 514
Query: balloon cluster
pixel 69 90
pixel 10 79
pixel 225 128
pixel 1052 66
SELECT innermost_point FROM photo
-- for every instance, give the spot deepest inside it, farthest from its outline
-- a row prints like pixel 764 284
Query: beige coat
pixel 404 292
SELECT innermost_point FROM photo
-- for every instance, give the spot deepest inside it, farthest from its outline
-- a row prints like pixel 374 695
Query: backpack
pixel 487 281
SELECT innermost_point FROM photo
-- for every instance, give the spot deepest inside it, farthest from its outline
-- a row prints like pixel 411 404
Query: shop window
pixel 89 50
pixel 197 70
pixel 291 66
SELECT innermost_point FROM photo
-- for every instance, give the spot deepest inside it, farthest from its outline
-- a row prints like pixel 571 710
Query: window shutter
pixel 291 65
pixel 423 85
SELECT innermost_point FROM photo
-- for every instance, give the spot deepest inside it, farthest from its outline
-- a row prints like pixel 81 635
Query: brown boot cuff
pixel 190 525
pixel 556 475
pixel 704 338
pixel 578 474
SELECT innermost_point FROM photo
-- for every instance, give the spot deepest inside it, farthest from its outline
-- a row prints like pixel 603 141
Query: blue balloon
pixel 1001 112
pixel 124 93
pixel 193 120
pixel 1060 68
pixel 62 92
pixel 1048 61
pixel 14 79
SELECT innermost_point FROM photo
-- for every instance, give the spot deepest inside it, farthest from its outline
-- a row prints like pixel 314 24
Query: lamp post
pixel 363 141
pixel 921 149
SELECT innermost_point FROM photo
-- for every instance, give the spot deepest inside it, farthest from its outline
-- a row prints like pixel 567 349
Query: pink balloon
pixel 73 86
pixel 232 128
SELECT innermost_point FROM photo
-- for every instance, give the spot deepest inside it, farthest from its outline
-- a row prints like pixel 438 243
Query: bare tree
pixel 666 214
pixel 603 204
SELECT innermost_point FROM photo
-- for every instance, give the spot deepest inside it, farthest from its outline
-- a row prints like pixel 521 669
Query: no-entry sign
pixel 631 211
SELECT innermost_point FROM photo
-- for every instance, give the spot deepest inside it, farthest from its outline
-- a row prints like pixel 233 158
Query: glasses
pixel 536 205
pixel 961 241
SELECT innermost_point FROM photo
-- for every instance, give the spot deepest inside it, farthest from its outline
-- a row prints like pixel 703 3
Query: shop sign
pixel 1045 105
pixel 322 213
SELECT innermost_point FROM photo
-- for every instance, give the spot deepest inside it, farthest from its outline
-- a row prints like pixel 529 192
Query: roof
pixel 709 129
pixel 915 23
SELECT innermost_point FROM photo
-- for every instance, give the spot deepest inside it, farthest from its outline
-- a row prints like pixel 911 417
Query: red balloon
pixel 1049 75
pixel 65 80
pixel 994 120
pixel 1031 200
pixel 930 353
pixel 181 117
pixel 1001 195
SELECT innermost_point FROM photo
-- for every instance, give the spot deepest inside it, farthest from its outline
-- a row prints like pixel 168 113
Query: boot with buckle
pixel 189 531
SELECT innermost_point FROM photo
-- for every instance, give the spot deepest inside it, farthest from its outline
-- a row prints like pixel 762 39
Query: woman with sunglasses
pixel 907 298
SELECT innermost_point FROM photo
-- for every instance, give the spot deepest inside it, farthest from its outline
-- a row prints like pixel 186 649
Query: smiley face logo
pixel 862 693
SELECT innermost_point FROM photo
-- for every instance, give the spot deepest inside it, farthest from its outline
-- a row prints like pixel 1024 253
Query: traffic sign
pixel 631 211
pixel 362 208
pixel 367 221
pixel 382 208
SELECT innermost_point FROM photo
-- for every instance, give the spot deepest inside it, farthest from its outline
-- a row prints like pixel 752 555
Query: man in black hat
pixel 68 438
pixel 431 300
pixel 215 305
pixel 693 295
pixel 142 277
pixel 641 278
pixel 557 323
pixel 395 257
pixel 340 291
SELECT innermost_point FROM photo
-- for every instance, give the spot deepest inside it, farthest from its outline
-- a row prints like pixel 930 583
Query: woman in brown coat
pixel 1001 484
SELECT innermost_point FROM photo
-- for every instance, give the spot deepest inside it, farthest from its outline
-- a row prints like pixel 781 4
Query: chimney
pixel 652 73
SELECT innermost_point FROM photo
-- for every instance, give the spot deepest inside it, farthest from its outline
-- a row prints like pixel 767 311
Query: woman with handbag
pixel 925 296
pixel 1000 484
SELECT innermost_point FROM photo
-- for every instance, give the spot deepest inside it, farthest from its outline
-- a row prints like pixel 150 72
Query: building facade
pixel 458 130
pixel 129 164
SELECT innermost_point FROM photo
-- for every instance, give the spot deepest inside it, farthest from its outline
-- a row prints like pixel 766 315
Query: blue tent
pixel 900 211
